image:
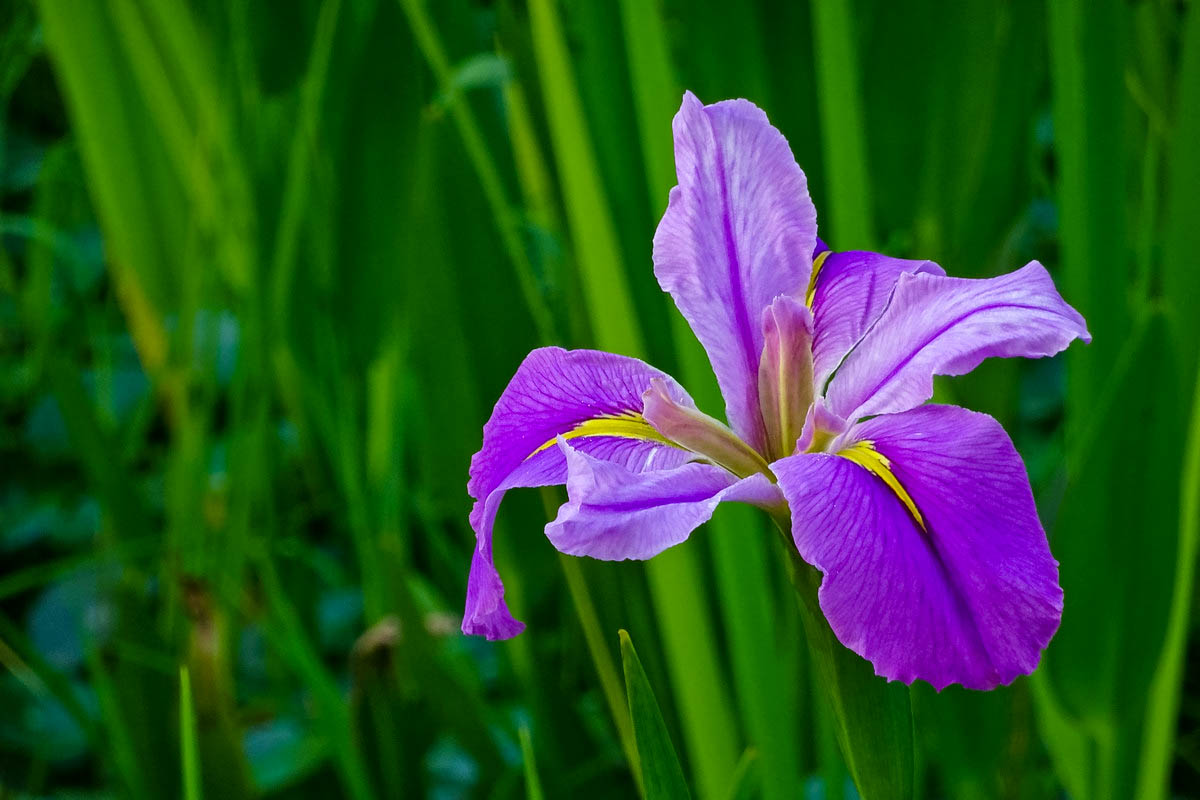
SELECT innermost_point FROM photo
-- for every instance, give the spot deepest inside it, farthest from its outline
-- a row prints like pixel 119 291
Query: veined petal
pixel 821 429
pixel 935 564
pixel 739 230
pixel 614 513
pixel 593 398
pixel 850 291
pixel 935 325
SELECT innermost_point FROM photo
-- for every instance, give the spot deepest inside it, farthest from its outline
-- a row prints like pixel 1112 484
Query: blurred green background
pixel 265 267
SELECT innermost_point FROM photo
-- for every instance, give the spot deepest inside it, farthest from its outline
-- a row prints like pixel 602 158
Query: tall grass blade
pixel 533 785
pixel 843 134
pixel 662 776
pixel 679 597
pixel 505 217
pixel 189 754
pixel 737 535
pixel 1162 711
pixel 1179 281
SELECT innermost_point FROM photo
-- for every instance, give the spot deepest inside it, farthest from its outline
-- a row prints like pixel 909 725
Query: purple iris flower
pixel 919 517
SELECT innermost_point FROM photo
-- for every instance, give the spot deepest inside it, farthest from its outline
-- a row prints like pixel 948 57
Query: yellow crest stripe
pixel 818 262
pixel 866 456
pixel 631 425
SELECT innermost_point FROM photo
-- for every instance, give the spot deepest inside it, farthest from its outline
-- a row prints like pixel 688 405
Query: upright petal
pixel 936 325
pixel 785 373
pixel 592 398
pixel 935 565
pixel 850 292
pixel 614 513
pixel 739 230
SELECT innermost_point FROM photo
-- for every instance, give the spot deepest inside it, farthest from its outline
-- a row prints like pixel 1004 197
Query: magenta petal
pixel 936 325
pixel 971 599
pixel 553 391
pixel 851 292
pixel 739 230
pixel 614 513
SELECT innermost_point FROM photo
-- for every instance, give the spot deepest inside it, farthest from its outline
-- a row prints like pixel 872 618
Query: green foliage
pixel 264 268
pixel 662 777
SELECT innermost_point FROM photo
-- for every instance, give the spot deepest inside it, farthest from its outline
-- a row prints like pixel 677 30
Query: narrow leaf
pixel 1180 284
pixel 676 578
pixel 533 785
pixel 661 774
pixel 842 131
pixel 188 751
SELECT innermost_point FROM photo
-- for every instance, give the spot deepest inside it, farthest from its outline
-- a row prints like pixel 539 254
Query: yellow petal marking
pixel 818 262
pixel 866 456
pixel 631 425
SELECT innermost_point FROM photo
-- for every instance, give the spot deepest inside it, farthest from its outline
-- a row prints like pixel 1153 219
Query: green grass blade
pixel 675 576
pixel 594 238
pixel 533 785
pixel 742 785
pixel 1162 711
pixel 1085 49
pixel 188 750
pixel 287 633
pixel 1068 744
pixel 1181 239
pixel 662 776
pixel 593 634
pixel 839 97
pixel 537 191
pixel 656 93
pixel 505 217
pixel 1104 655
pixel 737 534
pixel 1179 282
pixel 298 182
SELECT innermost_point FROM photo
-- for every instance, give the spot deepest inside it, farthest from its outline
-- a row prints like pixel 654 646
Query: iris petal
pixel 935 325
pixel 614 513
pixel 850 291
pixel 970 597
pixel 739 230
pixel 555 392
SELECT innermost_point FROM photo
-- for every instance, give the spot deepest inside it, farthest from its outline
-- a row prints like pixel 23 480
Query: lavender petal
pixel 739 230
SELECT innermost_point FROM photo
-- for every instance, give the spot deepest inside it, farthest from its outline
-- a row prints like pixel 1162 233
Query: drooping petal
pixel 614 513
pixel 851 290
pixel 959 588
pixel 592 398
pixel 935 325
pixel 739 230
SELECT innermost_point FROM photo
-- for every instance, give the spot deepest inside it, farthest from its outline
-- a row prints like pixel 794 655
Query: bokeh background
pixel 265 267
